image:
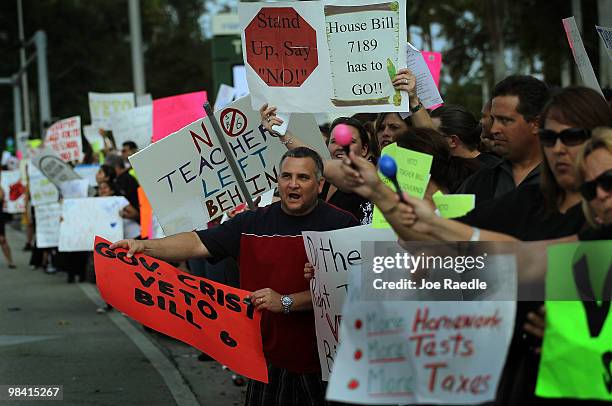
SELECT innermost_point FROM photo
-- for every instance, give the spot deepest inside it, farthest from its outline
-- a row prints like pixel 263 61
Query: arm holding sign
pixel 406 81
pixel 269 119
pixel 268 299
pixel 179 247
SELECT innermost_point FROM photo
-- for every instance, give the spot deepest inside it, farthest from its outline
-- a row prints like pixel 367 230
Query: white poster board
pixel 421 352
pixel 134 125
pixel 88 172
pixel 83 219
pixel 329 285
pixel 325 56
pixel 225 96
pixel 14 192
pixel 74 189
pixel 186 175
pixel 580 55
pixel 53 167
pixel 94 138
pixel 64 137
pixel 42 190
pixel 48 225
pixel 102 106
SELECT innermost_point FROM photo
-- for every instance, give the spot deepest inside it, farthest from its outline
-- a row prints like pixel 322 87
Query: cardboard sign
pixel 333 255
pixel 580 56
pixel 412 175
pixel 421 352
pixel 84 219
pixel 187 178
pixel 577 350
pixel 170 114
pixel 53 167
pixel 42 191
pixel 14 192
pixel 102 106
pixel 48 224
pixel 64 137
pixel 325 56
pixel 134 125
pixel 204 314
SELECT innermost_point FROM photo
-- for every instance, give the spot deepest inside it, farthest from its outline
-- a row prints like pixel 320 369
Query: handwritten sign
pixel 102 106
pixel 452 206
pixel 333 255
pixel 187 178
pixel 64 137
pixel 53 167
pixel 328 56
pixel 134 125
pixel 421 352
pixel 84 219
pixel 412 174
pixel 48 225
pixel 207 315
pixel 580 56
pixel 14 192
pixel 577 350
pixel 170 114
pixel 42 191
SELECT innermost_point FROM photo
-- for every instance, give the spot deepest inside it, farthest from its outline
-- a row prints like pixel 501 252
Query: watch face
pixel 286 300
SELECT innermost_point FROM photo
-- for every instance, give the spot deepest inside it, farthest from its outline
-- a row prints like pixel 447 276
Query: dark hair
pixel 531 92
pixel 381 118
pixel 363 134
pixel 365 117
pixel 456 120
pixel 130 145
pixel 578 107
pixel 304 152
pixel 115 161
pixel 446 170
pixel 109 172
pixel 110 184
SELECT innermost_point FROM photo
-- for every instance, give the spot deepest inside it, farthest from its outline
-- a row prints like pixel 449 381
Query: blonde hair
pixel 600 138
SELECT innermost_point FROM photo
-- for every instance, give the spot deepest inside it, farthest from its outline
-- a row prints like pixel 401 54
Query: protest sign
pixel 52 166
pixel 32 147
pixel 325 56
pixel 605 34
pixel 88 172
pixel 225 96
pixel 144 100
pixel 64 137
pixel 93 137
pixel 170 114
pixel 102 106
pixel 412 174
pixel 48 225
pixel 239 80
pixel 421 352
pixel 134 125
pixel 580 56
pixel 83 219
pixel 74 189
pixel 427 89
pixel 434 63
pixel 14 192
pixel 204 314
pixel 187 178
pixel 577 349
pixel 333 255
pixel 452 206
pixel 42 191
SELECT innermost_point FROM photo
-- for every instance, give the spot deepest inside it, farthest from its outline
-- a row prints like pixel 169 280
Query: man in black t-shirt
pixel 268 245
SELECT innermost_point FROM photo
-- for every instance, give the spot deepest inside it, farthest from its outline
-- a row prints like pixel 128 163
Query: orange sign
pixel 206 315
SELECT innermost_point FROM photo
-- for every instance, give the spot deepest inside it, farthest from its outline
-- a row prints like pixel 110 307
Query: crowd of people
pixel 539 162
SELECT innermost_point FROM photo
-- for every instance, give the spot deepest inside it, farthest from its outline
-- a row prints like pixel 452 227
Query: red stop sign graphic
pixel 281 47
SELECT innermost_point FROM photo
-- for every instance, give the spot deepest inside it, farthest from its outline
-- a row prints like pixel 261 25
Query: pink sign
pixel 170 114
pixel 434 63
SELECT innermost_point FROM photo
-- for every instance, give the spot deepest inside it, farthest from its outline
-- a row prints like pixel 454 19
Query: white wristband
pixel 475 234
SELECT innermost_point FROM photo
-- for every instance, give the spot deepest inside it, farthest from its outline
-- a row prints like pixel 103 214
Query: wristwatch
pixel 417 107
pixel 286 302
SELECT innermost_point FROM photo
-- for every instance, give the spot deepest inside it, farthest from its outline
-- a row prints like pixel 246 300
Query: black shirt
pixel 127 186
pixel 492 182
pixel 592 234
pixel 488 160
pixel 351 202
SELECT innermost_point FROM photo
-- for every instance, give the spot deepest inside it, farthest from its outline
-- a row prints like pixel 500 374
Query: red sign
pixel 281 47
pixel 206 315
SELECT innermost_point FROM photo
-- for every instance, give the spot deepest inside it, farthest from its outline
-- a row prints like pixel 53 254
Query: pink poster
pixel 434 63
pixel 170 114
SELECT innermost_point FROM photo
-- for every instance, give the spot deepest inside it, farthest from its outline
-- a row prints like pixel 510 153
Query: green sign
pixel 412 175
pixel 577 349
pixel 452 206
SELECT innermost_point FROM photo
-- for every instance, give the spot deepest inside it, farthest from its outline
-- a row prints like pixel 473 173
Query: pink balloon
pixel 343 135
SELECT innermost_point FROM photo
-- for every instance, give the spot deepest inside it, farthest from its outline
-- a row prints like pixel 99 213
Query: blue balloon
pixel 387 166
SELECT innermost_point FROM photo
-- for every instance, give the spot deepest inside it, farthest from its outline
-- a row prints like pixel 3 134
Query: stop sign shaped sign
pixel 281 47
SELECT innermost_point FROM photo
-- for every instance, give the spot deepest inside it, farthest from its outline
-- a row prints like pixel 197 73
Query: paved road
pixel 50 334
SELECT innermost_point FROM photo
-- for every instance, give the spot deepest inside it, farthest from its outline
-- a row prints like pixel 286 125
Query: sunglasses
pixel 588 190
pixel 570 137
